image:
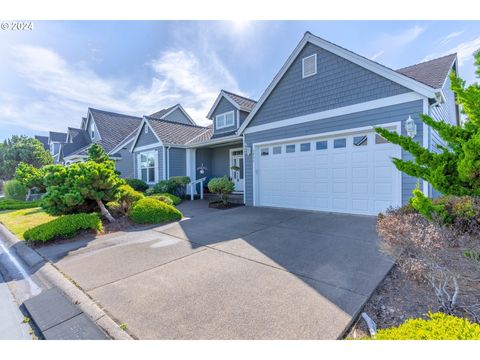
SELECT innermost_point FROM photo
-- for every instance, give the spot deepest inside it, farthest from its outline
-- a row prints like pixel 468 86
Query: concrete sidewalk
pixel 11 318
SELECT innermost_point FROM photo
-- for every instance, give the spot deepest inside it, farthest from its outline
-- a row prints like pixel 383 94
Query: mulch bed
pixel 220 205
pixel 397 299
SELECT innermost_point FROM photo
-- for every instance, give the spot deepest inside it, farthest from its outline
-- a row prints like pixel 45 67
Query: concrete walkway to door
pixel 243 273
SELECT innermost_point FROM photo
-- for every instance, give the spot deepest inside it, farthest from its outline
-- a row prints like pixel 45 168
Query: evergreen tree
pixel 455 170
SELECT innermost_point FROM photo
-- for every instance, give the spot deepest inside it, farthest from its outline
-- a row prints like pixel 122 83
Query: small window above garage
pixel 309 66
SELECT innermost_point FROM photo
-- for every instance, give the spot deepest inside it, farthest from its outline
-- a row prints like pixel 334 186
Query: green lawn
pixel 17 221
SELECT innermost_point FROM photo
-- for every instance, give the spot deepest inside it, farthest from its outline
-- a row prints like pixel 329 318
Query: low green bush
pixel 63 227
pixel 152 211
pixel 137 184
pixel 126 197
pixel 115 208
pixel 438 326
pixel 9 204
pixel 13 189
pixel 162 198
pixel 176 185
pixel 222 186
pixel 175 199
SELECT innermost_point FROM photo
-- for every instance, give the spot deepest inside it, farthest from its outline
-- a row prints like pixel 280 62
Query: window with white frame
pixel 147 166
pixel 92 130
pixel 309 65
pixel 225 120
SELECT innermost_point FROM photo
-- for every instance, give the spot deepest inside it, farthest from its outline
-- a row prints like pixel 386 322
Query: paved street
pixel 11 318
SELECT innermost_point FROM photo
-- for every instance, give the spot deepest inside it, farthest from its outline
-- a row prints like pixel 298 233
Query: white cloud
pixel 446 39
pixel 66 90
pixel 403 38
pixel 464 50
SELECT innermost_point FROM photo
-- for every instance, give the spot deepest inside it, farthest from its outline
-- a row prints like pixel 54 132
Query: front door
pixel 236 168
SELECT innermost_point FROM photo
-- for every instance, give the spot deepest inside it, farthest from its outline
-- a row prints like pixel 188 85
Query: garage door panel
pixel 354 179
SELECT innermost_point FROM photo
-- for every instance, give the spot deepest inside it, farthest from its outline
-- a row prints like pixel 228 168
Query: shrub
pixel 126 197
pixel 162 198
pixel 464 213
pixel 8 204
pixel 152 211
pixel 137 184
pixel 223 187
pixel 14 190
pixel 174 199
pixel 430 210
pixel 114 208
pixel 176 185
pixel 438 326
pixel 63 227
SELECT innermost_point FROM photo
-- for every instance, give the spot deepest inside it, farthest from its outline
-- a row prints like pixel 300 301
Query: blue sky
pixel 52 74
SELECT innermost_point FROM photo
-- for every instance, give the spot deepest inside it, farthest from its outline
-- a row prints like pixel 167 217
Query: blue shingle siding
pixel 243 116
pixel 159 150
pixel 204 157
pixel 177 162
pixel 224 106
pixel 338 83
pixel 125 165
pixel 146 139
pixel 444 112
pixel 382 115
pixel 178 116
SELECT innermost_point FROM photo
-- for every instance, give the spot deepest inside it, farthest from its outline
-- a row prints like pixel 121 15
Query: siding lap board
pixel 178 116
pixel 224 106
pixel 338 83
pixel 146 139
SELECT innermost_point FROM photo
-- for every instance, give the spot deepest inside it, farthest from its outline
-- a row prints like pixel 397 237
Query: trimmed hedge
pixel 15 190
pixel 162 198
pixel 174 199
pixel 152 211
pixel 10 204
pixel 137 184
pixel 439 326
pixel 64 227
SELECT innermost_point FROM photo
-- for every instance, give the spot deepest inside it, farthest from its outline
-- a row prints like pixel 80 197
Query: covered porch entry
pixel 218 160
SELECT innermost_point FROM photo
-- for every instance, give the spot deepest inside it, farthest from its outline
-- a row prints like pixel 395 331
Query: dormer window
pixel 146 129
pixel 225 120
pixel 309 65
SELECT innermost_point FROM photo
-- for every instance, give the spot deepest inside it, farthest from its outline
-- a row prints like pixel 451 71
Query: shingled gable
pixel 397 77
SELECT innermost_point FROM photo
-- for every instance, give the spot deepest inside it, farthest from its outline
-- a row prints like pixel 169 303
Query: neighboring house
pixel 309 142
pixel 43 140
pixel 55 141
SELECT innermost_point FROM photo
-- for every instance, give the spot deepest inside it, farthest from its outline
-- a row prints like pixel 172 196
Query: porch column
pixel 191 169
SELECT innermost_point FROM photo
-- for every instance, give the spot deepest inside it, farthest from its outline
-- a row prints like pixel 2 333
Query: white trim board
pixel 217 100
pixel 345 110
pixel 379 69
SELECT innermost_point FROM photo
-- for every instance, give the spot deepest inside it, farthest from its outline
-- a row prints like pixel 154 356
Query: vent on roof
pixel 309 65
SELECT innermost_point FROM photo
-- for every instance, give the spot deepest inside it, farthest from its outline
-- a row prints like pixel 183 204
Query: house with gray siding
pixel 308 143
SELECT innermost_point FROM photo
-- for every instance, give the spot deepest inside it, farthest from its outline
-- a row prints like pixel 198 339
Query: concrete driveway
pixel 244 273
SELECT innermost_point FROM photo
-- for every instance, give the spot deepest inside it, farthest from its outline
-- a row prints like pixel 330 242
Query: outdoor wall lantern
pixel 202 169
pixel 410 127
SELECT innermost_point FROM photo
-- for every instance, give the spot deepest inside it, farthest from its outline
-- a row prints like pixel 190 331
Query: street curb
pixel 54 277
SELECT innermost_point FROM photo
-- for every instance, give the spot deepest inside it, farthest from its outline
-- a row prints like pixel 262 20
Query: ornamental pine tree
pixel 97 154
pixel 455 169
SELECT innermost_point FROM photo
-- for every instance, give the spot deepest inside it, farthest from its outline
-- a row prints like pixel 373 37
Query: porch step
pixel 235 198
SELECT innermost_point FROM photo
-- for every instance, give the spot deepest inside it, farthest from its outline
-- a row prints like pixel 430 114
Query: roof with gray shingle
pixel 43 140
pixel 160 114
pixel 175 133
pixel 244 102
pixel 432 73
pixel 79 139
pixel 113 127
pixel 57 136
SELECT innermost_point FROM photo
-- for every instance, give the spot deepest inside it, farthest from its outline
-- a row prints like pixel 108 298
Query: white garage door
pixel 348 174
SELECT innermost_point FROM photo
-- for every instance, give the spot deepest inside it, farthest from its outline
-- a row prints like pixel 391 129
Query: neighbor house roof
pixel 79 139
pixel 57 136
pixel 242 101
pixel 432 73
pixel 43 140
pixel 113 127
pixel 175 133
pixel 160 114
